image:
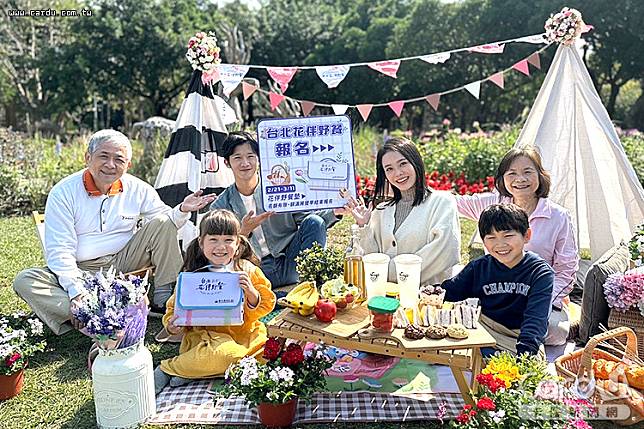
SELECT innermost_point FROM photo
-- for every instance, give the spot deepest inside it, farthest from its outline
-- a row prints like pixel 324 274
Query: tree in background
pixel 130 56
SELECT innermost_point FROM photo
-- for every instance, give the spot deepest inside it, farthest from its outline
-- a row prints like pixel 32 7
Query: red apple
pixel 349 298
pixel 341 303
pixel 325 310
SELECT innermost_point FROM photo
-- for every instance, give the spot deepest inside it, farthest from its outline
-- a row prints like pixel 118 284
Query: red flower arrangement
pixel 491 382
pixel 486 404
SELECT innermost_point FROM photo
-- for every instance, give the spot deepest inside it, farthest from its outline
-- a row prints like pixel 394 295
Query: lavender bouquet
pixel 113 309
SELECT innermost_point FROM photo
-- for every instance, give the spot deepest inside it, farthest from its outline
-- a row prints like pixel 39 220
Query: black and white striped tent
pixel 192 160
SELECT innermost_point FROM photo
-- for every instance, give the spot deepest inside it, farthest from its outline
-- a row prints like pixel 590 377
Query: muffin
pixel 436 332
pixel 457 331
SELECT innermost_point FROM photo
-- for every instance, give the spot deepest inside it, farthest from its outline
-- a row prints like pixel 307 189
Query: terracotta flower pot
pixel 11 385
pixel 277 415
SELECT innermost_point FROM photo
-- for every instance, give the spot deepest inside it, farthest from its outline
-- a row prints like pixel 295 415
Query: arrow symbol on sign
pixel 315 148
pixel 330 147
pixel 322 147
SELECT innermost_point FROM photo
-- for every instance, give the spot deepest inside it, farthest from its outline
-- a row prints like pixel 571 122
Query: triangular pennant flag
pixel 276 99
pixel 282 75
pixel 436 58
pixel 433 100
pixel 522 66
pixel 364 110
pixel 497 78
pixel 492 48
pixel 210 77
pixel 534 39
pixel 230 75
pixel 474 88
pixel 535 60
pixel 332 75
pixel 389 68
pixel 339 109
pixel 248 89
pixel 396 106
pixel 307 106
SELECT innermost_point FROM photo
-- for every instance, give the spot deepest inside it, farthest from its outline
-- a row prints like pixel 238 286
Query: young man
pixel 514 286
pixel 90 223
pixel 276 238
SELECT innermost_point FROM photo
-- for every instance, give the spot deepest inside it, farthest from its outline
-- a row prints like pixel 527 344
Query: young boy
pixel 514 286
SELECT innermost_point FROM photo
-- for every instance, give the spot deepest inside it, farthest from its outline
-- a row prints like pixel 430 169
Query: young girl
pixel 207 351
pixel 414 220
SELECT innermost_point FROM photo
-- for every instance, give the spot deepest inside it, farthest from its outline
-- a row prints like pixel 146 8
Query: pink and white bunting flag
pixel 230 75
pixel 534 39
pixel 497 79
pixel 339 109
pixel 210 77
pixel 491 48
pixel 433 100
pixel 522 66
pixel 307 106
pixel 436 58
pixel 275 99
pixel 332 75
pixel 389 68
pixel 364 110
pixel 535 60
pixel 396 106
pixel 248 89
pixel 474 88
pixel 282 75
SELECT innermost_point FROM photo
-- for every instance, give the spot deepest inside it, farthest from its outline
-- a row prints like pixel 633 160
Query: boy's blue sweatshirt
pixel 517 298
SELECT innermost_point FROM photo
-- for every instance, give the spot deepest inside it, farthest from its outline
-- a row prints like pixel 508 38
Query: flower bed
pixel 518 392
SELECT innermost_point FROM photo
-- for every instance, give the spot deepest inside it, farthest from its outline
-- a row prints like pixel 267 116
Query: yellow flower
pixel 505 371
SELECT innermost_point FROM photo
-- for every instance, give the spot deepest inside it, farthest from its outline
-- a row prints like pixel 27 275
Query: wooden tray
pixel 479 337
pixel 345 324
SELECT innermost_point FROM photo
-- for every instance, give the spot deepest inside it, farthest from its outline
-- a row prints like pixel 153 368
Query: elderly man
pixel 91 223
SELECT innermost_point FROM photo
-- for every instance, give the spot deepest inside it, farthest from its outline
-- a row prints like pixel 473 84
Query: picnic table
pixel 348 331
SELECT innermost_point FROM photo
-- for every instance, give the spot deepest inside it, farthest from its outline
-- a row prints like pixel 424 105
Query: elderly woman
pixel 415 219
pixel 522 180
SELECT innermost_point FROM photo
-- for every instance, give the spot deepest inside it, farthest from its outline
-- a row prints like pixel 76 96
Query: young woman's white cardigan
pixel 431 231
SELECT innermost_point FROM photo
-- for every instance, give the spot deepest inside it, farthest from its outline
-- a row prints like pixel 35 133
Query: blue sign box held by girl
pixel 305 162
pixel 209 299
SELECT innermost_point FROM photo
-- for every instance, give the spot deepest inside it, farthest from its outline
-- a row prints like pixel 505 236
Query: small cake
pixel 457 331
pixel 432 295
pixel 436 332
pixel 414 332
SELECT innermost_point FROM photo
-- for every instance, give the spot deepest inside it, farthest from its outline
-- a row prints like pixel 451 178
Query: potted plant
pixel 289 374
pixel 319 264
pixel 519 392
pixel 20 338
pixel 114 310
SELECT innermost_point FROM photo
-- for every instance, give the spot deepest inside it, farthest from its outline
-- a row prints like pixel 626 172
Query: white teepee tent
pixel 591 176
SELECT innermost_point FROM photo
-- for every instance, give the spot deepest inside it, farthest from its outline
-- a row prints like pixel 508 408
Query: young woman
pixel 522 180
pixel 207 351
pixel 414 219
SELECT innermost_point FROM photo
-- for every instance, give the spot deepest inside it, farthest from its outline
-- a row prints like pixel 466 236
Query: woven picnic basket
pixel 570 365
pixel 633 319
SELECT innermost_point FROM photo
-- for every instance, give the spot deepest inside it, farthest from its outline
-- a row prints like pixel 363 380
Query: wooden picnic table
pixel 348 331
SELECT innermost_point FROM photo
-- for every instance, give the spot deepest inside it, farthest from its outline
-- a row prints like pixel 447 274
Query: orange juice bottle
pixel 353 267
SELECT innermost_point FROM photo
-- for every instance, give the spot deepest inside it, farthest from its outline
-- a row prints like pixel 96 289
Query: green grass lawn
pixel 58 390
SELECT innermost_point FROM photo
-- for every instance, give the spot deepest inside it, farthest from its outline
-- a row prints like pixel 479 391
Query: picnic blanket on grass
pixel 362 388
pixel 193 404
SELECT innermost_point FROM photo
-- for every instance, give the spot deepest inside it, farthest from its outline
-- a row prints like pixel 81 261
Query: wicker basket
pixel 630 319
pixel 579 363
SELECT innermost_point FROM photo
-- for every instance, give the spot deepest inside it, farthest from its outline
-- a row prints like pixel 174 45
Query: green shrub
pixel 634 147
pixel 35 166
